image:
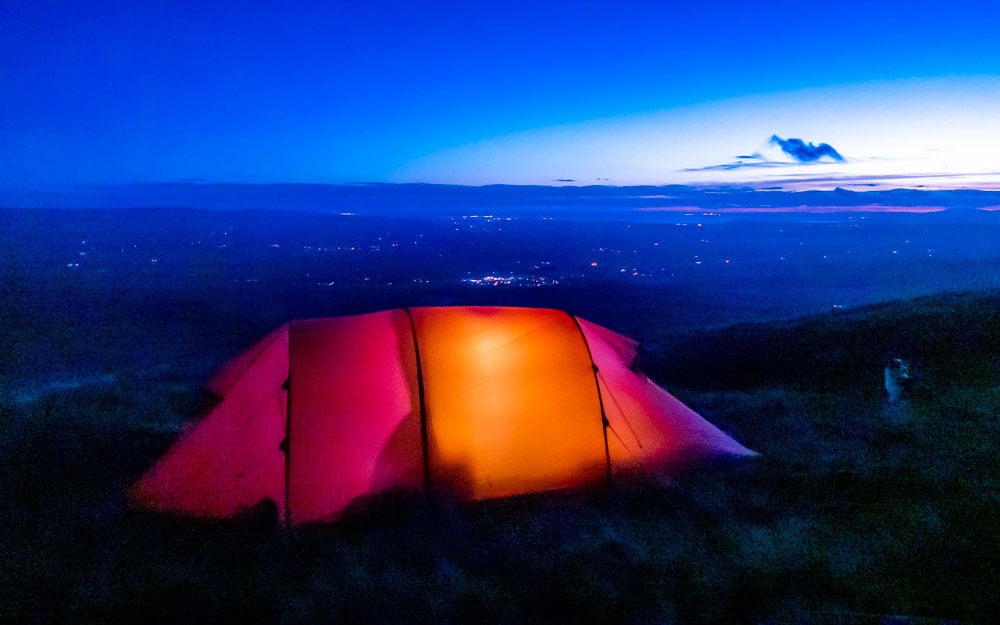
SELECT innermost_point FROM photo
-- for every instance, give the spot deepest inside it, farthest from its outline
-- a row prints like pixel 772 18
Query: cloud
pixel 805 152
pixel 800 152
pixel 740 165
pixel 951 182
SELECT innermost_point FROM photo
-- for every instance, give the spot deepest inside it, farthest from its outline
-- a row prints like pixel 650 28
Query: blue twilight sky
pixel 537 92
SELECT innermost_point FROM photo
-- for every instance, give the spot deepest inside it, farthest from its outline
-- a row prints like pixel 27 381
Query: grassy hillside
pixel 951 339
pixel 857 510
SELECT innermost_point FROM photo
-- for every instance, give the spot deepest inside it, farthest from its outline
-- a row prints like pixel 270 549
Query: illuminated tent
pixel 480 402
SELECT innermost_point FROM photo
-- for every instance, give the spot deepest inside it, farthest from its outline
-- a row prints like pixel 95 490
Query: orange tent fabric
pixel 480 401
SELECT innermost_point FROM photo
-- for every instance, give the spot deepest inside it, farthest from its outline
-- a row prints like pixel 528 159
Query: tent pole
pixel 600 398
pixel 287 448
pixel 423 404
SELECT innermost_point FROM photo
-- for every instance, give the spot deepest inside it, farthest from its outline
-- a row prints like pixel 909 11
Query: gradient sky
pixel 509 92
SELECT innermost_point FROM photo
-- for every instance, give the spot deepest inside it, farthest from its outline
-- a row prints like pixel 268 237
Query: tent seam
pixel 600 399
pixel 623 416
pixel 424 435
pixel 288 433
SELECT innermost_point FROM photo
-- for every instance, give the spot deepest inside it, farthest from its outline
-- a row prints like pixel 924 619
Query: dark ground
pixel 855 509
pixel 857 512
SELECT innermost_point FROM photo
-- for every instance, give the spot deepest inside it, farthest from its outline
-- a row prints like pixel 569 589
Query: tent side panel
pixel 223 379
pixel 511 402
pixel 355 419
pixel 649 427
pixel 230 460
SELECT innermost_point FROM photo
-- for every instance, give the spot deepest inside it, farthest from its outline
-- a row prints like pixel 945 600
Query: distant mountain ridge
pixel 440 199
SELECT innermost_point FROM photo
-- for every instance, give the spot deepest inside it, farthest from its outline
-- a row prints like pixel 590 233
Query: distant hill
pixel 947 336
pixel 441 199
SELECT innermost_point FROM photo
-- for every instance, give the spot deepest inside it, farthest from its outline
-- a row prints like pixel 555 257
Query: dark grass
pixel 953 340
pixel 855 512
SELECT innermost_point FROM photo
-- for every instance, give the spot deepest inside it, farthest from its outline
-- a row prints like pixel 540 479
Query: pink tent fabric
pixel 480 401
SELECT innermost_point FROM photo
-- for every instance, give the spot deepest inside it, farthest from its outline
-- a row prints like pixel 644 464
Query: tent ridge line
pixel 600 399
pixel 424 434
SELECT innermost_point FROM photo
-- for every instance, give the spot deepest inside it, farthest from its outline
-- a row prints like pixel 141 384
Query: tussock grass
pixel 854 512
